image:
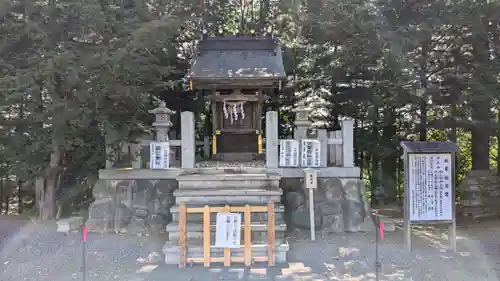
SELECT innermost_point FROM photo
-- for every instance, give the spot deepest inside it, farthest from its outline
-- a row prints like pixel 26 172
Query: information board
pixel 310 153
pixel 289 153
pixel 430 187
pixel 228 230
pixel 159 155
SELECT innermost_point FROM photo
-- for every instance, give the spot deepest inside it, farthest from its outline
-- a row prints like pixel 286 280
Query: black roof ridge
pixel 238 38
pixel 240 43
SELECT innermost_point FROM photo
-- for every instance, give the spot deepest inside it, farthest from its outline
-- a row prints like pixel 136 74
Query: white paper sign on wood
pixel 310 153
pixel 228 230
pixel 289 153
pixel 430 187
pixel 159 155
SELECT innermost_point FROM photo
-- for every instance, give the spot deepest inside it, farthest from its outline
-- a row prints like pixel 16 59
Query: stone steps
pixel 172 252
pixel 220 187
pixel 227 192
pixel 238 156
pixel 234 181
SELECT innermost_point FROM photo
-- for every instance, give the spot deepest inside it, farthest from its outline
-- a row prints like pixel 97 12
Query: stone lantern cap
pixel 162 109
pixel 162 115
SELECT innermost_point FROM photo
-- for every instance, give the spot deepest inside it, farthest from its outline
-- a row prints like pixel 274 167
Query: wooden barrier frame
pixel 227 259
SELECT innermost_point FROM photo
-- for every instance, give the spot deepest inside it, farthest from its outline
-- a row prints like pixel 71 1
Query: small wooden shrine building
pixel 237 74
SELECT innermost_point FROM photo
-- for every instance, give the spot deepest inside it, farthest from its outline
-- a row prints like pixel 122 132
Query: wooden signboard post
pixel 429 196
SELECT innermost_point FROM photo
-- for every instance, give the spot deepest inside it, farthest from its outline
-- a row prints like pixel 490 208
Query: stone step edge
pixel 225 177
pixel 226 186
pixel 169 247
pixel 197 227
pixel 202 192
pixel 278 208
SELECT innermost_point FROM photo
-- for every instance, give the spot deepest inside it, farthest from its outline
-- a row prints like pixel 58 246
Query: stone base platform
pixel 340 205
pixel 172 252
pixel 228 178
pixel 480 194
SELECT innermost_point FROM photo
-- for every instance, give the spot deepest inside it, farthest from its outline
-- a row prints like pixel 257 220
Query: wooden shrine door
pixel 238 130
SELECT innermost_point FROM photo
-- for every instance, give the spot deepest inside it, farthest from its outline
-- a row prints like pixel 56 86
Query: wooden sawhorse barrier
pixel 227 259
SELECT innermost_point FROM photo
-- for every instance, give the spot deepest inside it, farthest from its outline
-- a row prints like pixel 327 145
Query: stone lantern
pixel 162 121
pixel 302 122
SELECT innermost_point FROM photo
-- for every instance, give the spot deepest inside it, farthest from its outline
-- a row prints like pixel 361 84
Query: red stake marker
pixel 381 227
pixel 84 234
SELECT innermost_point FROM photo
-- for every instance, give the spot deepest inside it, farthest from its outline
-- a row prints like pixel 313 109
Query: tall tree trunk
pixel 425 94
pixel 481 105
pixel 453 130
pixel 46 187
pixel 2 194
pixel 400 177
pixel 377 192
pixel 264 10
pixel 389 158
pixel 481 135
pixel 243 17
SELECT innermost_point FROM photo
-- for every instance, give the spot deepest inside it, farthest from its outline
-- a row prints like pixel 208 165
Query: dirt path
pixel 11 225
pixel 37 252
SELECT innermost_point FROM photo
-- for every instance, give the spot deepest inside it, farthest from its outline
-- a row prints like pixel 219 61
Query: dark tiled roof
pixel 430 146
pixel 237 57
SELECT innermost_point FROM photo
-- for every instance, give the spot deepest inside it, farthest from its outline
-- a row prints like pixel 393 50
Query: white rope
pixel 242 109
pixel 235 112
pixel 224 107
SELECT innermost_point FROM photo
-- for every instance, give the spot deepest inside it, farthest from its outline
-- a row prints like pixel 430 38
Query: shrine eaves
pixel 236 60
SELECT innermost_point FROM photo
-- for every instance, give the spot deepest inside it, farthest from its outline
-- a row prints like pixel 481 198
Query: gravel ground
pixel 36 252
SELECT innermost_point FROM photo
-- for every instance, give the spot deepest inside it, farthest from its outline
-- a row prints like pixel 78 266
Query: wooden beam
pixel 206 236
pixel 271 235
pixel 182 235
pixel 227 251
pixel 254 209
pixel 237 97
pixel 247 258
pixel 247 228
pixel 233 259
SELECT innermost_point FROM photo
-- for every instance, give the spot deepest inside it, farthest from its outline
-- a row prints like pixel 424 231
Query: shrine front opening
pixel 237 123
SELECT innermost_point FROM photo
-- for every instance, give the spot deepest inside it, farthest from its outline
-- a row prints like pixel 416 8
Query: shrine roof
pixel 237 57
pixel 429 146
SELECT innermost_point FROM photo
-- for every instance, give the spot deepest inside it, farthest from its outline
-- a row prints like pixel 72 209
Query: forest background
pixel 72 71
